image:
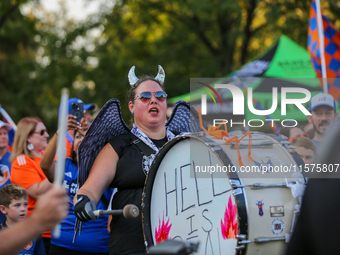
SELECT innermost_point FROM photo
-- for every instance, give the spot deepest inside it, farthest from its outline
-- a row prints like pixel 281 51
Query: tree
pixel 190 39
pixel 17 59
pixel 38 57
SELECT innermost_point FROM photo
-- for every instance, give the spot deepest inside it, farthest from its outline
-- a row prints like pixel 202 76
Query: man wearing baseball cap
pixel 5 164
pixel 87 107
pixel 323 110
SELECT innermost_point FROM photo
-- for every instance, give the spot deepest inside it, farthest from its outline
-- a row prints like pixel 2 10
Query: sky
pixel 77 9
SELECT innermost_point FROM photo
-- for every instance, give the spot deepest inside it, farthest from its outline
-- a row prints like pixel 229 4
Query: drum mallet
pixel 129 211
pixel 61 148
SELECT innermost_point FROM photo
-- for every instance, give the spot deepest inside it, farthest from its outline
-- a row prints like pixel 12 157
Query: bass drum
pixel 198 190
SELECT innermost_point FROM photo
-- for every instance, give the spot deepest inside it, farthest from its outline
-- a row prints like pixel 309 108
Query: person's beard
pixel 317 129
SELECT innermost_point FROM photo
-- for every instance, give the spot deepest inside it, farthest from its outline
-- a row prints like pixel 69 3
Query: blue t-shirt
pixel 5 167
pixel 94 235
pixel 35 247
pixel 317 143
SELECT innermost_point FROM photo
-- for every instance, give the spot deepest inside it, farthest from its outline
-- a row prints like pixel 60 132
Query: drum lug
pixel 235 183
pixel 237 192
pixel 261 240
pixel 287 144
pixel 241 237
pixel 240 243
pixel 266 144
pixel 213 146
pixel 244 242
pixel 275 185
pixel 268 239
pixel 241 247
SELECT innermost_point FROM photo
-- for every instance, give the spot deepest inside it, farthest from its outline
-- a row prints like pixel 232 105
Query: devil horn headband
pixel 133 78
pixel 160 75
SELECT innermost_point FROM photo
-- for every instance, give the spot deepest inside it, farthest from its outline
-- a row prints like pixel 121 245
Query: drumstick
pixel 61 148
pixel 129 211
pixel 8 118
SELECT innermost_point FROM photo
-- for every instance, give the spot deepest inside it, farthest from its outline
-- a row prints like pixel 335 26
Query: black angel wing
pixel 108 124
pixel 184 118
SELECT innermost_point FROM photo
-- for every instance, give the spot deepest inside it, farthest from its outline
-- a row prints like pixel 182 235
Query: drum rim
pixel 146 197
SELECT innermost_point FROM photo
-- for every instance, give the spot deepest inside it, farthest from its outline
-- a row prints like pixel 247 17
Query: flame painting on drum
pixel 229 226
pixel 162 233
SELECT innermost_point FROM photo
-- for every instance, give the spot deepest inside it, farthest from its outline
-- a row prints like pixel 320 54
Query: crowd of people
pixel 27 175
pixel 118 173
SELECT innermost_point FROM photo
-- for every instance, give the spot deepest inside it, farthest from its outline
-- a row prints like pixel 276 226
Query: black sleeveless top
pixel 127 234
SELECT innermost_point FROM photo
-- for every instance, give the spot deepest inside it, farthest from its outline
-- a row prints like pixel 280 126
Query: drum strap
pixel 105 201
pixel 145 149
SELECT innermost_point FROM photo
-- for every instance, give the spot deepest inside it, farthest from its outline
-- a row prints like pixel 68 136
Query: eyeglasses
pixel 147 95
pixel 42 132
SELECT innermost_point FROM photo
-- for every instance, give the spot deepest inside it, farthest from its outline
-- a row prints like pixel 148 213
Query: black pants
pixel 47 243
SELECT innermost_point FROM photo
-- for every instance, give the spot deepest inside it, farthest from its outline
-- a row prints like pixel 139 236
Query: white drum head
pixel 187 206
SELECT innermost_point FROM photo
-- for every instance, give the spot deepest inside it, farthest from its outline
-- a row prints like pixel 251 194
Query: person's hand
pixel 51 207
pixel 72 123
pixel 84 126
pixel 84 207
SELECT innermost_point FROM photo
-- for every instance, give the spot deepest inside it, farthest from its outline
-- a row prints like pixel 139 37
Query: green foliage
pixel 17 61
pixel 190 39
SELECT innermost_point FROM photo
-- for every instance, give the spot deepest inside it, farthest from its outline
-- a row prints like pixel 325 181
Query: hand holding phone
pixel 77 110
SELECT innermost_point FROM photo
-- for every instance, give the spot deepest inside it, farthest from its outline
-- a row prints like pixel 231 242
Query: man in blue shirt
pixel 323 110
pixel 5 165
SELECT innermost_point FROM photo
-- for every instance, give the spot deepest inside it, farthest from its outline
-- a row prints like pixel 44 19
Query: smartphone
pixel 77 109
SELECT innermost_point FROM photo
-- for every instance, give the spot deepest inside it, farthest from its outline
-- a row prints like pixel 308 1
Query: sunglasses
pixel 146 96
pixel 42 132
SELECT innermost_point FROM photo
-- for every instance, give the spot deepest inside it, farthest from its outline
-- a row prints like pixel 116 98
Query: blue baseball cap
pixel 87 107
pixel 71 101
pixel 322 99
